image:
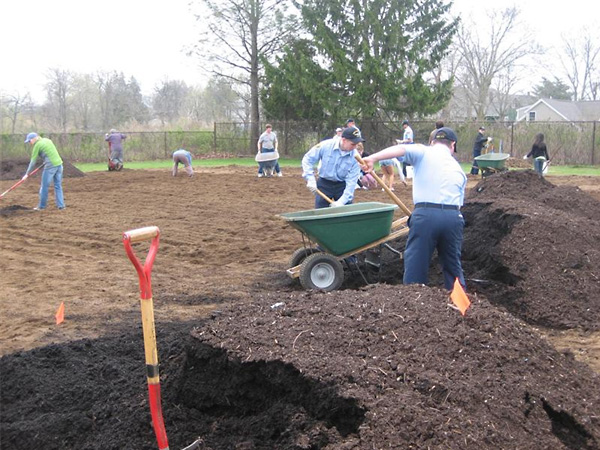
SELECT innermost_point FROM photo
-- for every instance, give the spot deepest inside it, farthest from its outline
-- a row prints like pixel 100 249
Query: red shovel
pixel 18 183
pixel 144 274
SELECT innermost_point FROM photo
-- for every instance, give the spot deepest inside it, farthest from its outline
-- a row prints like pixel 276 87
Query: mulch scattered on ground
pixel 380 366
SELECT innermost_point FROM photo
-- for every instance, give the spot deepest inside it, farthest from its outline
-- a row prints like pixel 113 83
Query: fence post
pixel 593 142
pixel 214 137
pixel 165 142
pixel 512 139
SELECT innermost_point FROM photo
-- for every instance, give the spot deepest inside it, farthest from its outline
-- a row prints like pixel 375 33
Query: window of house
pixel 532 116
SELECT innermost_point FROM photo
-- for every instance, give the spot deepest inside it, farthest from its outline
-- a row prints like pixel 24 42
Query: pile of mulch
pixel 379 367
pixel 532 248
pixel 518 163
pixel 13 169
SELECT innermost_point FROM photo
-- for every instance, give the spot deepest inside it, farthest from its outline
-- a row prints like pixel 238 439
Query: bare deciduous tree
pixel 14 104
pixel 489 49
pixel 239 35
pixel 580 60
pixel 85 103
pixel 58 87
pixel 169 99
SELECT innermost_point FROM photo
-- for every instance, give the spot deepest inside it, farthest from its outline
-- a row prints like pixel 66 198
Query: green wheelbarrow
pixel 331 235
pixel 492 163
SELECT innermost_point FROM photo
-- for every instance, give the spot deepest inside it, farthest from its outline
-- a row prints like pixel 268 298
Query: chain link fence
pixel 568 142
pixel 91 147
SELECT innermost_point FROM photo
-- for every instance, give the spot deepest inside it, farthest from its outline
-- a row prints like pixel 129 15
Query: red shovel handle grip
pixel 141 234
pixel 144 271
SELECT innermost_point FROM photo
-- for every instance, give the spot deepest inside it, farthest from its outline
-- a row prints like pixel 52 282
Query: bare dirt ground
pixel 380 366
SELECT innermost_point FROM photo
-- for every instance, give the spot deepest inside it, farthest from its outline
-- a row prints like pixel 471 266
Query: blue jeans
pixel 431 229
pixel 538 165
pixel 52 174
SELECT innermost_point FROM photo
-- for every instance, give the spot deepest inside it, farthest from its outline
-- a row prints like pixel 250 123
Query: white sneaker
pixel 260 175
pixel 279 174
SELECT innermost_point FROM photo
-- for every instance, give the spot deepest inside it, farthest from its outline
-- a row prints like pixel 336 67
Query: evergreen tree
pixel 380 53
pixel 552 89
pixel 296 87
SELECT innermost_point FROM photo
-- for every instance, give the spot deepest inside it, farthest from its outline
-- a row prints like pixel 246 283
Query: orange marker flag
pixel 459 298
pixel 60 314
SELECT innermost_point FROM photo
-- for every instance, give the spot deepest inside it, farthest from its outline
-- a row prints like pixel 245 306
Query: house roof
pixel 568 110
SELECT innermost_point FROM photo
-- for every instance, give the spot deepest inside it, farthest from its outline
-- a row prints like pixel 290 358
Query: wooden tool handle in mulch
pixel 324 196
pixel 385 188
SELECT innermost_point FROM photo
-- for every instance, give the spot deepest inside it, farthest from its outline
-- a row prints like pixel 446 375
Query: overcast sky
pixel 147 39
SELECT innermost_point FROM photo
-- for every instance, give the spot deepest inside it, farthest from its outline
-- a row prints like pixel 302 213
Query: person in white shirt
pixel 438 193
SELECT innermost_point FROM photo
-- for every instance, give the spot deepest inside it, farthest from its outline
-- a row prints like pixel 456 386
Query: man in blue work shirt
pixel 339 170
pixel 438 193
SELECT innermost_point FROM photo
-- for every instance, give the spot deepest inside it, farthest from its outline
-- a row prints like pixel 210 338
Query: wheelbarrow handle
pixel 389 192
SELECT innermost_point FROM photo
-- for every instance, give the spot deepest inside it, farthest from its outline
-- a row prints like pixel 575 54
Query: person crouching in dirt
pixel 53 169
pixel 539 153
pixel 184 157
pixel 339 170
pixel 115 141
pixel 438 193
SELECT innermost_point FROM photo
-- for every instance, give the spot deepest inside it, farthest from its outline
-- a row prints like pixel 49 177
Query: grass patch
pixel 167 164
pixel 296 163
pixel 574 170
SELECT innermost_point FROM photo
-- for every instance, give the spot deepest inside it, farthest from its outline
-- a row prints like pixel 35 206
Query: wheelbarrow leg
pixel 352 263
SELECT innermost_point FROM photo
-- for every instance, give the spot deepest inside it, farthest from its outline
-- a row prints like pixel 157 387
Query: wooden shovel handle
pixel 141 234
pixel 385 188
pixel 324 196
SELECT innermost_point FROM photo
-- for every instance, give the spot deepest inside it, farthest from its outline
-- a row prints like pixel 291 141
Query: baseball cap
pixel 353 135
pixel 337 130
pixel 30 136
pixel 482 127
pixel 447 134
pixel 405 122
pixel 349 120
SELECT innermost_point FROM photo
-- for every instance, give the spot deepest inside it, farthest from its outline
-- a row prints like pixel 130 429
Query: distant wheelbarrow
pixel 332 235
pixel 267 162
pixel 492 163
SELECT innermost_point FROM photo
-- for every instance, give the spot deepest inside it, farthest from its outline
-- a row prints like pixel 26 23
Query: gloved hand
pixel 524 156
pixel 312 185
pixel 489 139
pixel 25 177
pixel 336 204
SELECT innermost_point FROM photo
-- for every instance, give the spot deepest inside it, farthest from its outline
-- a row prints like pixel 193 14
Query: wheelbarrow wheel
pixel 300 255
pixel 321 271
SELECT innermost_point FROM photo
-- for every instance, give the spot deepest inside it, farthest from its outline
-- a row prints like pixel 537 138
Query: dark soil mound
pixel 529 246
pixel 380 367
pixel 535 248
pixel 13 169
pixel 7 211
